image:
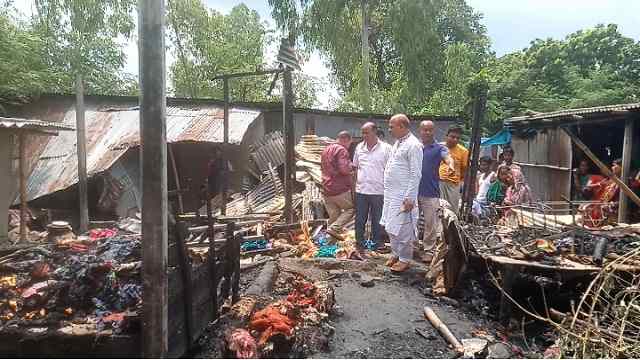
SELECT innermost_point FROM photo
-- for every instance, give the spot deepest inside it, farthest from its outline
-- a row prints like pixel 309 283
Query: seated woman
pixel 498 188
pixel 581 177
pixel 606 193
pixel 518 192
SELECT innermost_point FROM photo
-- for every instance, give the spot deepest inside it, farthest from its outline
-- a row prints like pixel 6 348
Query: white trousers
pixel 402 244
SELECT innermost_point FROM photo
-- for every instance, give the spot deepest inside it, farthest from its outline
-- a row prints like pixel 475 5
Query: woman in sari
pixel 606 194
pixel 518 192
pixel 499 185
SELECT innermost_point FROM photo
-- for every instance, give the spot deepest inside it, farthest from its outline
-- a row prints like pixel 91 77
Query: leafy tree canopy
pixel 208 43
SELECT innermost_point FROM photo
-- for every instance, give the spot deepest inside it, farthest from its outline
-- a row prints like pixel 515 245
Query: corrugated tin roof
pixel 32 124
pixel 598 110
pixel 111 132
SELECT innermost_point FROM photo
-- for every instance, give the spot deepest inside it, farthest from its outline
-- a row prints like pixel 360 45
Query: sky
pixel 511 25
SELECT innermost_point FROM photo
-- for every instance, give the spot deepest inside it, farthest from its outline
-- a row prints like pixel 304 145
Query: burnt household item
pixel 59 231
pixel 600 250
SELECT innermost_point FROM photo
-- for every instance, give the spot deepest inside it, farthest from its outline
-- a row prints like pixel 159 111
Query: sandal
pixel 400 267
pixel 391 261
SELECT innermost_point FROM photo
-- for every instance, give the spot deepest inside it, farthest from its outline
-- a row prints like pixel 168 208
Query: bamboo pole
pixel 23 186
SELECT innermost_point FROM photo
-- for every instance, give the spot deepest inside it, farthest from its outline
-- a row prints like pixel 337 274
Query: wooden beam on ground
pixel 81 145
pixel 627 151
pixel 153 136
pixel 433 318
pixel 22 168
pixel 604 168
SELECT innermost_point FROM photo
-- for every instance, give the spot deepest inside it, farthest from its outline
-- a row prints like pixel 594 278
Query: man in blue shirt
pixel 429 191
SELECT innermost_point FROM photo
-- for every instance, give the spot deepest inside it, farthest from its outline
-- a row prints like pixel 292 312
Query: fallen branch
pixel 443 329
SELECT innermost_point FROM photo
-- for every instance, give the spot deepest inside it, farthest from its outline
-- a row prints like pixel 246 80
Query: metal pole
pixel 154 177
pixel 478 114
pixel 289 139
pixel 225 158
pixel 23 186
pixel 81 144
pixel 627 150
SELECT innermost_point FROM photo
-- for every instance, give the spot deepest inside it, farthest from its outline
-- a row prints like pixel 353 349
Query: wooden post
pixel 627 150
pixel 289 139
pixel 81 145
pixel 225 158
pixel 22 167
pixel 604 168
pixel 366 101
pixel 478 114
pixel 154 177
pixel 176 178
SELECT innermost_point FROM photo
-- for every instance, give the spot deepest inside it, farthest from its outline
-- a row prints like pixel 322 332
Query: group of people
pixel 501 188
pixel 389 184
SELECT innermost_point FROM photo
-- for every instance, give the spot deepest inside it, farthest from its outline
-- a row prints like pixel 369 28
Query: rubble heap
pixel 554 247
pixel 94 281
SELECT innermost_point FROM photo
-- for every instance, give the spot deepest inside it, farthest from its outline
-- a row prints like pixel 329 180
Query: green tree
pixel 23 71
pixel 82 37
pixel 407 41
pixel 208 43
pixel 591 67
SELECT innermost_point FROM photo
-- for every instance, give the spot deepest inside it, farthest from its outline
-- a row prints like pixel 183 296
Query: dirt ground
pixel 378 314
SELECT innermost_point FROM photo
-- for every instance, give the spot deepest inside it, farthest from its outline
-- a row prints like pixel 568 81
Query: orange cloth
pixel 460 157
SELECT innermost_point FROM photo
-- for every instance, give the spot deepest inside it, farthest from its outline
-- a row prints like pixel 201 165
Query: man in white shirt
pixel 401 181
pixel 370 159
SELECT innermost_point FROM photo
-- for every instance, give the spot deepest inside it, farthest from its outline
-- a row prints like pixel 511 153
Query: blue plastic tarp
pixel 503 137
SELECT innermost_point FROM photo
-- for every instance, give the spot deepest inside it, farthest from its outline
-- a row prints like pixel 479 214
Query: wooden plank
pixel 176 178
pixel 627 151
pixel 604 168
pixel 22 168
pixel 153 138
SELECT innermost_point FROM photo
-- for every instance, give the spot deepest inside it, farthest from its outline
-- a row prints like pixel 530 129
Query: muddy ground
pixel 380 314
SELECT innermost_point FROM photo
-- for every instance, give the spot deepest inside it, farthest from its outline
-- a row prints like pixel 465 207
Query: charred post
pixel 154 177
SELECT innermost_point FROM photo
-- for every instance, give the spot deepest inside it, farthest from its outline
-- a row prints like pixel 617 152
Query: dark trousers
pixel 368 206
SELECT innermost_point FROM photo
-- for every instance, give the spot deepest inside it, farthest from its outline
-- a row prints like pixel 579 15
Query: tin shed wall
pixel 545 160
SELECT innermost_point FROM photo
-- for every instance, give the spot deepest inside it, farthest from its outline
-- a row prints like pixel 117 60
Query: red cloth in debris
pixel 243 344
pixel 303 294
pixel 270 321
pixel 97 234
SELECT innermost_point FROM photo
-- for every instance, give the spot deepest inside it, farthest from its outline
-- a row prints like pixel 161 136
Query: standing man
pixel 401 182
pixel 429 193
pixel 450 182
pixel 370 159
pixel 336 182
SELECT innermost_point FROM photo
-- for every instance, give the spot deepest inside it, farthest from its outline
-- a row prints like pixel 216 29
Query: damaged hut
pixel 194 130
pixel 16 138
pixel 549 146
